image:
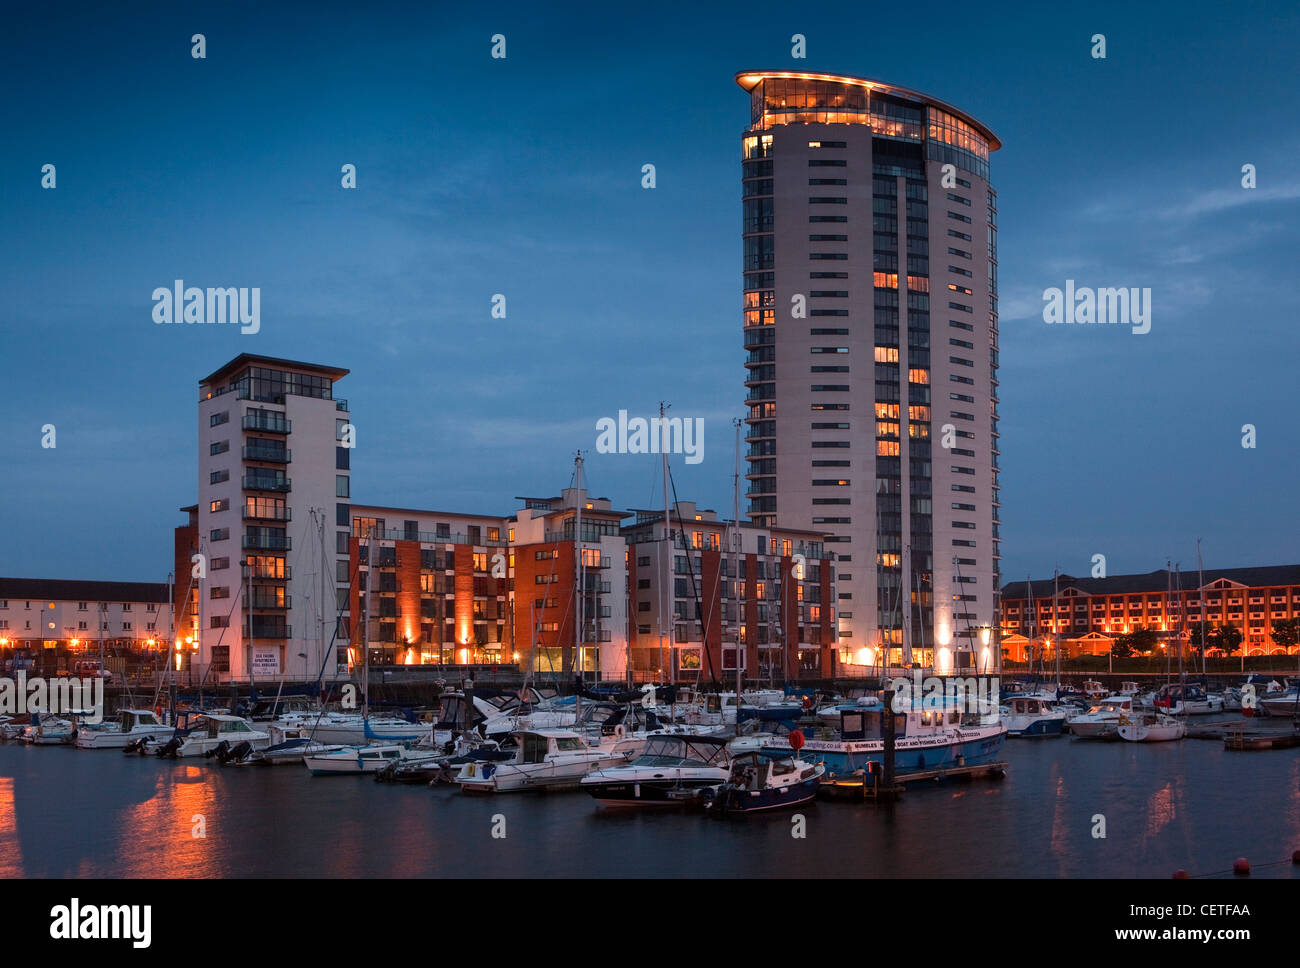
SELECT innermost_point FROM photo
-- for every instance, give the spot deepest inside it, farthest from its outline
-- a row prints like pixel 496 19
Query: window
pixel 219 418
pixel 223 504
pixel 341 486
pixel 218 477
pixel 219 534
pixel 220 447
pixel 953 233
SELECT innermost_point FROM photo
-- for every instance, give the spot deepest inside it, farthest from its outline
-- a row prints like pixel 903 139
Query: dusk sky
pixel 522 176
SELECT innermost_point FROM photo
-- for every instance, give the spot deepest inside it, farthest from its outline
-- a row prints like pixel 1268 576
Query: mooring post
pixel 887 724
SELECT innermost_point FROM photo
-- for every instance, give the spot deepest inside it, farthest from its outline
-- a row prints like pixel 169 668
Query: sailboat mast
pixel 1033 626
pixel 1056 622
pixel 669 622
pixel 1200 594
pixel 905 582
pixel 365 628
pixel 735 569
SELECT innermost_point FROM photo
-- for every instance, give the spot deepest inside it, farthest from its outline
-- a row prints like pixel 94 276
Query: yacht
pixel 544 758
pixel 1102 719
pixel 355 729
pixel 672 768
pixel 130 725
pixel 1152 728
pixel 355 760
pixel 209 732
pixel 1026 715
pixel 1280 703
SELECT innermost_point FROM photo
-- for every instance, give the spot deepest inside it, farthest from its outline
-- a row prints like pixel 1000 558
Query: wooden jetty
pixel 1248 735
pixel 862 786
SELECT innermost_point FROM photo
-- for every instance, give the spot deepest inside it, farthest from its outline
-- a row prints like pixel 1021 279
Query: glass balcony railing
pixel 267 513
pixel 256 482
pixel 277 455
pixel 268 422
pixel 267 542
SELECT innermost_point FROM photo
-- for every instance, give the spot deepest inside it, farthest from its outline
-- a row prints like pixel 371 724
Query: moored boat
pixel 671 770
pixel 131 725
pixel 1101 721
pixel 1152 728
pixel 1032 716
pixel 766 779
pixel 545 758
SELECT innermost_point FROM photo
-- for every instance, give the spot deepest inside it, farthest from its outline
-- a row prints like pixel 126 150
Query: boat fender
pixel 619 731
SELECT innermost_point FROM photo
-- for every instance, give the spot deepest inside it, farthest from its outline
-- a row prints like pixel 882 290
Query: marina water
pixel 1190 805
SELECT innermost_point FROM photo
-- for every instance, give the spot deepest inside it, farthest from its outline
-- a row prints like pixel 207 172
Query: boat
pixel 544 758
pixel 1101 721
pixel 356 760
pixel 12 727
pixel 765 779
pixel 1151 728
pixel 936 735
pixel 1129 688
pixel 48 730
pixel 130 725
pixel 1032 716
pixel 1281 704
pixel 1094 690
pixel 350 729
pixel 207 734
pixel 1179 699
pixel 671 770
pixel 443 767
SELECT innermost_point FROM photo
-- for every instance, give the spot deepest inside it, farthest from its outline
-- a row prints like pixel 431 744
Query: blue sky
pixel 522 176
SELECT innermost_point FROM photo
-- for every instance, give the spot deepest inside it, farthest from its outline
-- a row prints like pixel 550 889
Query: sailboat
pixel 385 740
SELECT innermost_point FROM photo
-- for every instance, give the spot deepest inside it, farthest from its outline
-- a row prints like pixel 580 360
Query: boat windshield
pixel 569 744
pixel 676 750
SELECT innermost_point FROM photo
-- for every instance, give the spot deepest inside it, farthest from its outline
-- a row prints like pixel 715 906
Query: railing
pixel 278 455
pixel 256 483
pixel 430 537
pixel 270 514
pixel 285 602
pixel 271 423
pixel 272 631
pixel 267 542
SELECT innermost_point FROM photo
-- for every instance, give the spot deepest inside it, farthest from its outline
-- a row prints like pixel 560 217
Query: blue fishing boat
pixel 765 779
pixel 936 735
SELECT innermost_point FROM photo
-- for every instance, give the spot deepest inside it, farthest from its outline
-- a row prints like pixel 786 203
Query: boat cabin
pixel 1027 706
pixel 684 750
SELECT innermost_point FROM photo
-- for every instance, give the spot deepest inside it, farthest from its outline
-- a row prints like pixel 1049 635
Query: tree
pixel 1225 639
pixel 1122 648
pixel 1286 632
pixel 1201 637
pixel 1143 641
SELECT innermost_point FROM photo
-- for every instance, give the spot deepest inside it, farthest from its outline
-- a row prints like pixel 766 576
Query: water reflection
pixel 70 813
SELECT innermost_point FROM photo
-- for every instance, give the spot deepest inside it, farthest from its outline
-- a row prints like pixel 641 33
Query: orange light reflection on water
pixel 160 839
pixel 11 854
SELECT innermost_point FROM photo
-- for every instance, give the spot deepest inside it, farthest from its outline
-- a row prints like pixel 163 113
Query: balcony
pixel 271 628
pixel 278 603
pixel 267 452
pixel 257 482
pixel 267 542
pixel 267 514
pixel 265 576
pixel 267 421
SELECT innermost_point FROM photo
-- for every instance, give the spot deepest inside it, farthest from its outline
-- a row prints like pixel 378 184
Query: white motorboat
pixel 1280 704
pixel 211 730
pixel 1151 728
pixel 1176 699
pixel 1027 715
pixel 47 730
pixel 545 758
pixel 357 730
pixel 1130 689
pixel 1094 691
pixel 130 725
pixel 356 760
pixel 671 769
pixel 1101 721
